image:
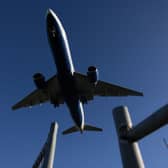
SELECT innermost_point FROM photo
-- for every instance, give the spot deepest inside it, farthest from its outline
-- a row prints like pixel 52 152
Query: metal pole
pixel 130 153
pixel 50 147
pixel 45 158
pixel 149 125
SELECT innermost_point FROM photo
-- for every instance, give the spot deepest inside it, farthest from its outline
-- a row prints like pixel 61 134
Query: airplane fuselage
pixel 62 56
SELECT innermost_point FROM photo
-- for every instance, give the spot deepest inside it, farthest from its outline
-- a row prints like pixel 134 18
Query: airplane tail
pixel 76 129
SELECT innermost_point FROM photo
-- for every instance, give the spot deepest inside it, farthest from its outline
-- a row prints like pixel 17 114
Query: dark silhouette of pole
pixel 129 135
pixel 149 125
pixel 130 153
pixel 45 158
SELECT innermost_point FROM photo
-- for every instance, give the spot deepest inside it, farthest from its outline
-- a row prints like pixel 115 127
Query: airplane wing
pixel 39 96
pixel 102 88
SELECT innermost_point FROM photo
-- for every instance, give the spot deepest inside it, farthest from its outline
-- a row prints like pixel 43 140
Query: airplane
pixel 68 86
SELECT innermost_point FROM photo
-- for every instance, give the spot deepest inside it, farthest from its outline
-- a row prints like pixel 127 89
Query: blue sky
pixel 126 40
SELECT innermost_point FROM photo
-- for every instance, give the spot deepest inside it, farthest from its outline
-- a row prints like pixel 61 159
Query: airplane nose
pixel 50 20
pixel 49 14
pixel 49 11
pixel 53 20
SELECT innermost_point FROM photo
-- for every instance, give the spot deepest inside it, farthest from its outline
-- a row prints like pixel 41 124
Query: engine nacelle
pixel 93 74
pixel 39 80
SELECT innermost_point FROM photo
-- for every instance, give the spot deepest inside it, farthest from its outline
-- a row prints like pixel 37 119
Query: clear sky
pixel 126 40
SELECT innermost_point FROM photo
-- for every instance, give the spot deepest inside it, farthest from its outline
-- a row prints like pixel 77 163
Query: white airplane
pixel 69 86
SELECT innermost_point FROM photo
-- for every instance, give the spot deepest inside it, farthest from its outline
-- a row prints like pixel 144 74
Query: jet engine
pixel 39 80
pixel 93 74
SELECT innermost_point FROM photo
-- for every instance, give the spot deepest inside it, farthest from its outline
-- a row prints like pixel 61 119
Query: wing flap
pixel 84 87
pixel 52 92
pixel 102 88
pixel 106 89
pixel 36 97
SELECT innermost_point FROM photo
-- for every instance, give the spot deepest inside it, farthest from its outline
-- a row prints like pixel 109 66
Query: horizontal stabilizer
pixel 76 129
pixel 92 128
pixel 70 130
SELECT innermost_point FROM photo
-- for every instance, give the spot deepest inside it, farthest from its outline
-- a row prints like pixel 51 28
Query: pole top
pixel 120 108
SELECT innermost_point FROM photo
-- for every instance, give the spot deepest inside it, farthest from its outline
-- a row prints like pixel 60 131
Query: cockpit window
pixel 52 31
